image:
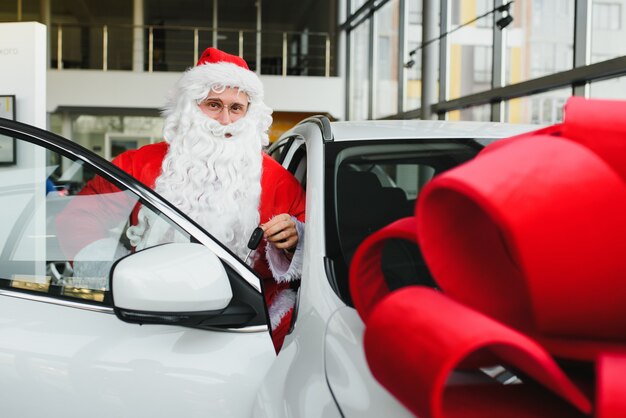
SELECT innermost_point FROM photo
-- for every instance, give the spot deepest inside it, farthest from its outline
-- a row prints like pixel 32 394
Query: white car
pixel 181 329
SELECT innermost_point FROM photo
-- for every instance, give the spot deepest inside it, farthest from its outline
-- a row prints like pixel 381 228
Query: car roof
pixel 428 129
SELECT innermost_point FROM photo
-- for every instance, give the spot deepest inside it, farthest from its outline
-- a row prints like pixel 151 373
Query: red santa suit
pixel 280 193
pixel 219 176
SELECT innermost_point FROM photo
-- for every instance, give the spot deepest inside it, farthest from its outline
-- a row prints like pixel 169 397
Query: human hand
pixel 281 232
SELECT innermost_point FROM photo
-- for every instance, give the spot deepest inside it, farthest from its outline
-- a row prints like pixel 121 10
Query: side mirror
pixel 177 283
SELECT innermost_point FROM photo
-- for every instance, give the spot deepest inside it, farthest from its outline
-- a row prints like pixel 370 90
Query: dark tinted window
pixel 371 184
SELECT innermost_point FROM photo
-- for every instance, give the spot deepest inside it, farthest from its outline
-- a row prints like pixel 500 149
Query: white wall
pixel 126 89
pixel 23 69
pixel 305 94
pixel 23 74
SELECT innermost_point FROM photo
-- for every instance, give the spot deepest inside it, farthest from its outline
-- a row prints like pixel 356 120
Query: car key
pixel 254 241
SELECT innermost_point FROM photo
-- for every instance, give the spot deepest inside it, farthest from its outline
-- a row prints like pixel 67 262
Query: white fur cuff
pixel 95 260
pixel 283 302
pixel 282 269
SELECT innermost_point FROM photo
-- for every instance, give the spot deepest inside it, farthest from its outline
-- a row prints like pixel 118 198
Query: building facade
pixel 515 61
pixel 112 63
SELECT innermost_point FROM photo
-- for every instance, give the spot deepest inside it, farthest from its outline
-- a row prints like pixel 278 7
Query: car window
pixel 297 164
pixel 371 184
pixel 290 152
pixel 278 149
pixel 59 239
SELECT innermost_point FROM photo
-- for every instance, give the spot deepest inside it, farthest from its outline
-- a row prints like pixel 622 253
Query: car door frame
pixel 255 346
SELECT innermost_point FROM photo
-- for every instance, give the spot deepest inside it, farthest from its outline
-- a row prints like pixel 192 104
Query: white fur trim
pixel 282 303
pixel 200 80
pixel 283 270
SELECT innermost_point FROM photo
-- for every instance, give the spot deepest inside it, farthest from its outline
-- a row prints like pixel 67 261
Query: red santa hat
pixel 217 70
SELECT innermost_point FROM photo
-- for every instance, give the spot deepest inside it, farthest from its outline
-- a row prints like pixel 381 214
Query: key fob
pixel 255 238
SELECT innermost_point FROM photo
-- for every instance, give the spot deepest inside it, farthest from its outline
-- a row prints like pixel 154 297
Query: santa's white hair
pixel 211 172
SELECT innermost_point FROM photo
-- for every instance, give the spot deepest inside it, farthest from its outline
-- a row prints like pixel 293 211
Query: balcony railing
pixel 176 48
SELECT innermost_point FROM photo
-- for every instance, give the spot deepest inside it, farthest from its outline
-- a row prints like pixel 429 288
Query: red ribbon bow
pixel 527 242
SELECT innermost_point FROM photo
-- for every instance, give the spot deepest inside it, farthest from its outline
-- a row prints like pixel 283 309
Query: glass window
pixel 476 113
pixel 482 7
pixel 413 74
pixel 482 64
pixel 470 48
pixel 545 46
pixel 544 109
pixel 374 184
pixel 107 136
pixel 359 72
pixel 414 12
pixel 455 12
pixel 356 4
pixel 58 236
pixel 386 81
pixel 613 88
pixel 413 88
pixel 606 16
pixel 278 150
pixel 608 30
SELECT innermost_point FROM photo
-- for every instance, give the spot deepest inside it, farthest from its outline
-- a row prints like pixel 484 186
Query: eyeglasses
pixel 215 107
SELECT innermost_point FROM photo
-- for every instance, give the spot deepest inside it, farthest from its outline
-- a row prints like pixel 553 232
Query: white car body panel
pixel 349 376
pixel 109 368
pixel 412 129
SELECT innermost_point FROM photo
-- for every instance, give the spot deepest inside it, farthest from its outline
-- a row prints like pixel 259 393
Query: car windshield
pixel 371 184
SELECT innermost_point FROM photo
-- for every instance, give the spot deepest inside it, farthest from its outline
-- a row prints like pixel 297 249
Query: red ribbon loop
pixel 526 241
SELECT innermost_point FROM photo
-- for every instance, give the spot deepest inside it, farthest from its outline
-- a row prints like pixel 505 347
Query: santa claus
pixel 212 167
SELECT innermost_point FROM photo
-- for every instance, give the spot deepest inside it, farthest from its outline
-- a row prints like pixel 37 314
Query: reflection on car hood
pixel 411 129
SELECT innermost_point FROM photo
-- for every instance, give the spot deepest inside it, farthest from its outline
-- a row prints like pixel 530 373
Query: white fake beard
pixel 215 180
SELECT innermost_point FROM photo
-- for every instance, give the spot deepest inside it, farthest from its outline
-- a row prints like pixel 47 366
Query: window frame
pixel 238 271
pixel 335 263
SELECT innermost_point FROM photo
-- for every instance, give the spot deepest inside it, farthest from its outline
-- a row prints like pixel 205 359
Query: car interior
pixel 370 185
pixel 376 185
